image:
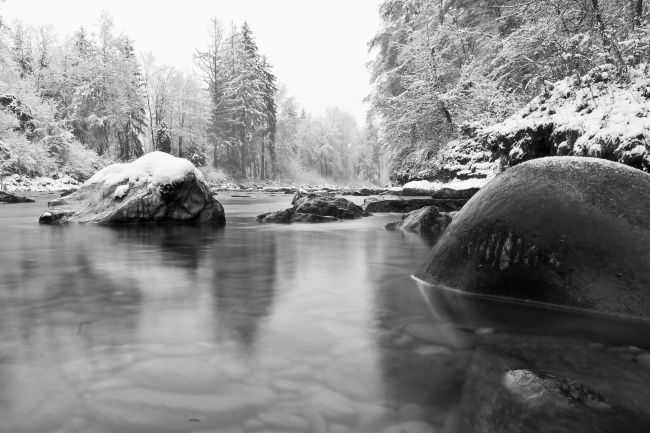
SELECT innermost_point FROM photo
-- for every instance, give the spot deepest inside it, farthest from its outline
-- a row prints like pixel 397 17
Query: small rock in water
pixel 411 411
pixel 234 369
pixel 349 345
pixel 433 350
pixel 339 428
pixel 333 405
pixel 352 381
pixel 286 385
pixel 131 409
pixel 411 427
pixel 644 360
pixel 284 420
pixel 177 375
pixel 315 420
pixel 444 334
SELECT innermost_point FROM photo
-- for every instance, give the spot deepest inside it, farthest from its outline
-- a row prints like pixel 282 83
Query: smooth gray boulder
pixel 569 231
pixel 156 187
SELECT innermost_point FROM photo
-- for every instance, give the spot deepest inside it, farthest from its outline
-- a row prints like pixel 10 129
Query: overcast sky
pixel 317 48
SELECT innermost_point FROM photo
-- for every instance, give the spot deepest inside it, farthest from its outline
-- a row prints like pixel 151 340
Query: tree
pixel 163 139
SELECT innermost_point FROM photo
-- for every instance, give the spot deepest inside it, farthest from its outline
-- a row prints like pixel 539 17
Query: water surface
pixel 246 327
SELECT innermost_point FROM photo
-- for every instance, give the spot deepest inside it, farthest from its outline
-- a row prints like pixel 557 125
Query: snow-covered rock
pixel 155 187
pixel 595 115
pixel 419 187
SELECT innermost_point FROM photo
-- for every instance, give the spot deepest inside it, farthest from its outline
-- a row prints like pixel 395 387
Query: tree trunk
pixel 243 154
pixel 262 158
pixel 214 160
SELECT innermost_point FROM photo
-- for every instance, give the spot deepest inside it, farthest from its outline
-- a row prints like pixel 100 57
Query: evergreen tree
pixel 163 138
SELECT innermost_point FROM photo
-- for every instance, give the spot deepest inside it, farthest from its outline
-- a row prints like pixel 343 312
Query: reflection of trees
pixel 181 244
pixel 431 381
pixel 243 284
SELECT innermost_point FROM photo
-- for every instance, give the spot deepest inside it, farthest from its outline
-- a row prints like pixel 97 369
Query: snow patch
pixel 153 168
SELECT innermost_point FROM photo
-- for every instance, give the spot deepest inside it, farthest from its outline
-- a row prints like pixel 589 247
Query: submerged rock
pixel 529 384
pixel 569 231
pixel 425 221
pixel 10 198
pixel 156 187
pixel 132 409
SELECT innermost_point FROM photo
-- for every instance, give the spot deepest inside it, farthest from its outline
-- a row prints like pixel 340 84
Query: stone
pixel 299 217
pixel 352 379
pixel 327 205
pixel 426 221
pixel 34 400
pixel 570 231
pixel 315 207
pixel 527 383
pixel 5 197
pixel 530 401
pixel 446 335
pixel 281 216
pixel 332 405
pixel 644 360
pixel 156 187
pixel 183 375
pixel 433 350
pixel 131 409
pixel 411 427
pixel 284 420
pixel 315 420
pixel 393 203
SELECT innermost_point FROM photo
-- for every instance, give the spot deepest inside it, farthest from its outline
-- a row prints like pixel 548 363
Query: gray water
pixel 246 327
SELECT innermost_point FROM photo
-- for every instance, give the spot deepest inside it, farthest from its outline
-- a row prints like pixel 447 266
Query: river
pixel 246 327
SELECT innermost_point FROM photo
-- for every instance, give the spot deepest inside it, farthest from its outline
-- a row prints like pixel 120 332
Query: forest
pixel 71 105
pixel 447 69
pixel 442 70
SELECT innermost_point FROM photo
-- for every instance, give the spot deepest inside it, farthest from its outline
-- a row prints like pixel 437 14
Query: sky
pixel 318 48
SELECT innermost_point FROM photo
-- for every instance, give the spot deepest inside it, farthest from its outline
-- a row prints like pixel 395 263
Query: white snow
pixel 422 185
pixel 152 168
pixel 601 112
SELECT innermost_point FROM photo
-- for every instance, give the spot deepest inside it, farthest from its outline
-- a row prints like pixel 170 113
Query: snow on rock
pixel 419 187
pixel 156 187
pixel 156 167
pixel 595 115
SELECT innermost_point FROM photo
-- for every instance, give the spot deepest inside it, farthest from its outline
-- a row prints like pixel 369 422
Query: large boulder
pixel 569 231
pixel 425 221
pixel 10 198
pixel 156 187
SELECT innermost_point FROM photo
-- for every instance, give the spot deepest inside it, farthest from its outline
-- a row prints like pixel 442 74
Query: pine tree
pixel 163 139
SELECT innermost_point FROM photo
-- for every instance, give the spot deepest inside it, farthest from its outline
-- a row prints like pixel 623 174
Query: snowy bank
pixel 595 115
